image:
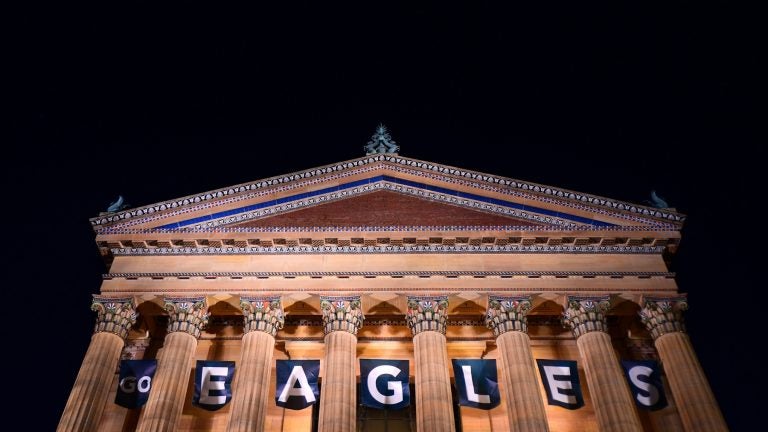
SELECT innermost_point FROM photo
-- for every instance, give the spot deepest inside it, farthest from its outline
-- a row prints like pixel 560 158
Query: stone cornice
pixel 507 314
pixel 585 314
pixel 427 313
pixel 341 313
pixel 187 314
pixel 114 314
pixel 262 314
pixel 662 315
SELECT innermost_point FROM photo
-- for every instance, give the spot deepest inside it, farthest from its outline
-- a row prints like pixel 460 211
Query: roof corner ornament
pixel 381 142
pixel 658 201
pixel 117 205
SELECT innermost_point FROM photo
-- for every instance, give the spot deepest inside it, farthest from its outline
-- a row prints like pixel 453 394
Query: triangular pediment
pixel 388 191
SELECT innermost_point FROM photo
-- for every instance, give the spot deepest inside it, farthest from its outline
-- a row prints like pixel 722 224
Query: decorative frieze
pixel 586 314
pixel 341 313
pixel 262 314
pixel 662 315
pixel 427 313
pixel 507 314
pixel 114 314
pixel 187 314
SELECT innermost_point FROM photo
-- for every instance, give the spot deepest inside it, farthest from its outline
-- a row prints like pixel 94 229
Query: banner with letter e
pixel 644 379
pixel 561 382
pixel 297 383
pixel 477 383
pixel 134 382
pixel 213 384
pixel 384 383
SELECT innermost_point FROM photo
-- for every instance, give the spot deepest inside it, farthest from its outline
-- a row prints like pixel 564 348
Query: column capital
pixel 662 315
pixel 187 314
pixel 262 314
pixel 508 313
pixel 427 313
pixel 585 314
pixel 114 314
pixel 343 313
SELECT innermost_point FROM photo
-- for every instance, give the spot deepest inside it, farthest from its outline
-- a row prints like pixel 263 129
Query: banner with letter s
pixel 213 384
pixel 644 379
pixel 134 382
pixel 297 383
pixel 561 381
pixel 384 383
pixel 477 383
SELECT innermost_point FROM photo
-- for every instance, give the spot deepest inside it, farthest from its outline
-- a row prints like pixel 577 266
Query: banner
pixel 135 382
pixel 477 383
pixel 645 382
pixel 213 384
pixel 561 382
pixel 384 383
pixel 297 383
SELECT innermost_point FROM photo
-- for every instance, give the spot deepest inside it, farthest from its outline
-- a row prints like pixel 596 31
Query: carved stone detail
pixel 114 314
pixel 662 315
pixel 586 314
pixel 507 314
pixel 187 314
pixel 341 313
pixel 427 313
pixel 262 314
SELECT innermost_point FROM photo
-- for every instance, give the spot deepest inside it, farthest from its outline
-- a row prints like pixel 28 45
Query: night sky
pixel 158 103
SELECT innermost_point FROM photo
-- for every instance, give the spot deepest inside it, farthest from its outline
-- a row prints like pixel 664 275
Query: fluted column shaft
pixel 342 317
pixel 338 407
pixel 251 389
pixel 434 404
pixel 169 387
pixel 695 401
pixel 88 398
pixel 613 402
pixel 89 394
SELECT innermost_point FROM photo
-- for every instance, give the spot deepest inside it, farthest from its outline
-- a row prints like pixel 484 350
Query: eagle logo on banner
pixel 213 384
pixel 477 383
pixel 135 382
pixel 297 383
pixel 384 383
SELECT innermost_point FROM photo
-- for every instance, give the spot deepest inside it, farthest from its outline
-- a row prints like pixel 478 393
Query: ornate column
pixel 427 318
pixel 697 406
pixel 342 318
pixel 188 315
pixel 115 317
pixel 614 406
pixel 507 317
pixel 250 391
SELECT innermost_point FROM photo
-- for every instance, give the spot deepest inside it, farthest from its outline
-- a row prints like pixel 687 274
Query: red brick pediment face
pixel 385 208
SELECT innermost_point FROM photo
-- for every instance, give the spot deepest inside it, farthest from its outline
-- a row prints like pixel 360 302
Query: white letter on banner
pixel 653 392
pixel 555 385
pixel 395 386
pixel 208 385
pixel 128 384
pixel 297 374
pixel 471 395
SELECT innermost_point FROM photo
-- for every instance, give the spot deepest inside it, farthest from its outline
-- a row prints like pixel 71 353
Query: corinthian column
pixel 166 399
pixel 427 318
pixel 263 318
pixel 614 406
pixel 342 318
pixel 697 406
pixel 115 317
pixel 507 317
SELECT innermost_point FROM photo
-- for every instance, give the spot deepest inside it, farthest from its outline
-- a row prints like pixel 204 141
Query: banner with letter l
pixel 477 383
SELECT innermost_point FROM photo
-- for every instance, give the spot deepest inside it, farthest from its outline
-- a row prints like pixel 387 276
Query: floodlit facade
pixel 387 257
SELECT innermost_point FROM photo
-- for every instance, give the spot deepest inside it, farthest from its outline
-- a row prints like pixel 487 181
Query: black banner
pixel 135 382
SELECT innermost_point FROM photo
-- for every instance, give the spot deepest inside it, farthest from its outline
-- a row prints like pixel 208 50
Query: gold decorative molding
pixel 662 315
pixel 341 313
pixel 586 314
pixel 507 314
pixel 427 313
pixel 114 314
pixel 262 314
pixel 187 314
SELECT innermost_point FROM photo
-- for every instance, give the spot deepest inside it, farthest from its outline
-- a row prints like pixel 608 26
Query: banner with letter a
pixel 384 383
pixel 645 382
pixel 297 383
pixel 213 384
pixel 135 382
pixel 477 383
pixel 561 381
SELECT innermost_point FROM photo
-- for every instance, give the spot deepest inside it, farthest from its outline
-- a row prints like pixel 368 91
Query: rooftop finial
pixel 381 142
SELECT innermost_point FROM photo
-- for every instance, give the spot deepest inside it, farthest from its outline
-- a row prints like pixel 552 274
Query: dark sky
pixel 151 103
